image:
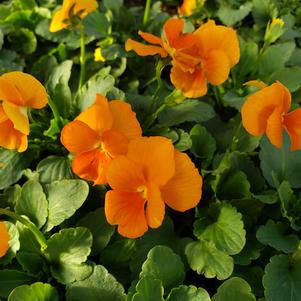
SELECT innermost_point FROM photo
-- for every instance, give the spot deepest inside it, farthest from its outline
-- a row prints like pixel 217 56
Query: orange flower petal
pixel 292 124
pixel 192 85
pixel 4 239
pixel 9 92
pixel 87 6
pixel 57 22
pixel 98 116
pixel 150 38
pixel 172 30
pixel 33 94
pixel 127 211
pixel 216 67
pixel 91 166
pixel 114 143
pixel 18 116
pixel 125 175
pixel 259 106
pixel 274 127
pixel 124 119
pixel 72 137
pixel 184 190
pixel 155 208
pixel 187 8
pixel 3 116
pixel 144 50
pixel 156 157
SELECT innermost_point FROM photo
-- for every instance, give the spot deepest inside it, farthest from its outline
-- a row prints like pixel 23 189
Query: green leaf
pixel 263 11
pixel 10 196
pixel 14 243
pixel 222 225
pixel 12 166
pixel 189 110
pixel 10 61
pixel 230 16
pixel 280 164
pixel 274 235
pixel 33 203
pixel 234 289
pixel 188 293
pixel 36 292
pixel 184 142
pixel 102 232
pixel 23 40
pixel 99 286
pixel 10 279
pixel 148 289
pixel 64 197
pixel 290 77
pixel 162 263
pixel 204 258
pixel 96 24
pixel 54 168
pixel 31 262
pixel 283 277
pixel 67 251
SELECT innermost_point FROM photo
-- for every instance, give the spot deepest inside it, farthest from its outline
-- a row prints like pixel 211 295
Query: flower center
pixel 143 191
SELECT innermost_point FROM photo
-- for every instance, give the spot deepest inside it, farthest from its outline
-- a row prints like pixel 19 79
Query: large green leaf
pixel 234 289
pixel 162 263
pixel 282 279
pixel 99 286
pixel 67 251
pixel 148 289
pixel 64 198
pixel 222 225
pixel 204 258
pixel 36 292
pixel 33 203
pixel 188 293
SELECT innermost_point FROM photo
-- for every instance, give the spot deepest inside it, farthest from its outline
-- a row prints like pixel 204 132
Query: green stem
pixel 146 11
pixel 35 231
pixel 82 58
pixel 55 112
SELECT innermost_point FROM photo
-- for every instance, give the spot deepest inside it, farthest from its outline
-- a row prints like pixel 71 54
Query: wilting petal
pixel 144 50
pixel 155 208
pixel 78 137
pixel 150 38
pixel 98 116
pixel 127 211
pixel 124 119
pixel 91 166
pixel 184 190
pixel 114 143
pixel 4 239
pixel 155 155
pixel 125 175
pixel 33 94
pixel 192 85
pixel 292 124
pixel 274 127
pixel 18 116
pixel 216 67
pixel 260 105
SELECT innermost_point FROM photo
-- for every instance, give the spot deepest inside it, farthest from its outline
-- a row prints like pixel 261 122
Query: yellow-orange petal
pixel 18 116
pixel 114 143
pixel 33 94
pixel 274 127
pixel 11 138
pixel 187 8
pixel 216 67
pixel 155 208
pixel 220 38
pixel 86 6
pixel 259 106
pixel 58 20
pixel 156 157
pixel 144 50
pixel 91 166
pixel 150 38
pixel 124 119
pixel 292 124
pixel 4 239
pixel 9 92
pixel 98 116
pixel 126 210
pixel 256 83
pixel 125 175
pixel 184 190
pixel 192 85
pixel 78 137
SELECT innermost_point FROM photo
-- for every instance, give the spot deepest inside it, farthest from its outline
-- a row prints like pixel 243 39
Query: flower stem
pixel 35 231
pixel 55 112
pixel 82 58
pixel 146 11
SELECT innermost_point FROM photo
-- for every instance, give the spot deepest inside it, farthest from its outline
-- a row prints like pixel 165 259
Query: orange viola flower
pixel 266 112
pixel 4 239
pixel 206 55
pixel 99 134
pixel 70 8
pixel 18 92
pixel 188 6
pixel 151 175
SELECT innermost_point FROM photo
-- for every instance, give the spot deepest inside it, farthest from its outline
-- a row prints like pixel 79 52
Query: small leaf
pixel 31 262
pixel 188 293
pixel 162 263
pixel 149 289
